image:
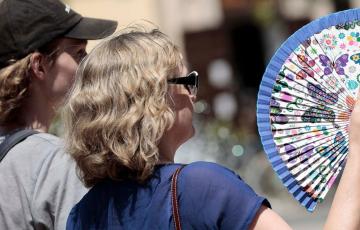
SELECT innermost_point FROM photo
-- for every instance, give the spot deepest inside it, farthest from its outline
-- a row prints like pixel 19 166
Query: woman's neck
pixel 167 151
pixel 168 146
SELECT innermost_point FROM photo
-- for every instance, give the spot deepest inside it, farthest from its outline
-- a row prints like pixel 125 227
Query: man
pixel 41 45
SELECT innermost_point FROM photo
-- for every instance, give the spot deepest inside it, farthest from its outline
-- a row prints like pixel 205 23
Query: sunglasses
pixel 191 82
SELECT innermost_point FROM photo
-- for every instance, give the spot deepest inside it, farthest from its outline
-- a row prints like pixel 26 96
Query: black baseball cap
pixel 26 25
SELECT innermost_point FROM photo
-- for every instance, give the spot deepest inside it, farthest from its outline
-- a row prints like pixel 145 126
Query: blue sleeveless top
pixel 210 197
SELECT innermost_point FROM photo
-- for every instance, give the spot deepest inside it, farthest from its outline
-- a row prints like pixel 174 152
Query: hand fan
pixel 305 101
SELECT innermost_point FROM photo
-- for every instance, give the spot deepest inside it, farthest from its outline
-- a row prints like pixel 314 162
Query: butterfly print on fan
pixel 302 155
pixel 320 95
pixel 315 114
pixel 337 65
pixel 306 67
pixel 292 152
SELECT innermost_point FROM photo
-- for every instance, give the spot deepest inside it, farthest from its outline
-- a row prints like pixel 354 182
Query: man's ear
pixel 37 64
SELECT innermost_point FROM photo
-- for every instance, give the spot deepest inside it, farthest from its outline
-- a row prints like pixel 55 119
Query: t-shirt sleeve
pixel 211 195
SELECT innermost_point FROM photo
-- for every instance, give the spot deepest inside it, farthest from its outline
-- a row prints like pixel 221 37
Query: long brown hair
pixel 15 80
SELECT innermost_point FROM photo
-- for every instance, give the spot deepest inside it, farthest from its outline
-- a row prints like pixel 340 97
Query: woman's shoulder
pixel 206 166
pixel 227 200
pixel 208 172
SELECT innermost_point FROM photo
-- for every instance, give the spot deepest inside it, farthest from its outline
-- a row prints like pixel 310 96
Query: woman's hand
pixel 345 209
pixel 354 130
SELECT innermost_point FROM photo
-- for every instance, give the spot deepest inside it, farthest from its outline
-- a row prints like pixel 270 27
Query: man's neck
pixel 37 114
pixel 36 124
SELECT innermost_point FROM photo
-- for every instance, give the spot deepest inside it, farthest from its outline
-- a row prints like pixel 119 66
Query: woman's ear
pixel 37 62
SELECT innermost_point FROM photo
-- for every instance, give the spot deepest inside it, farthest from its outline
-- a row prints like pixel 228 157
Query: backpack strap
pixel 14 139
pixel 174 200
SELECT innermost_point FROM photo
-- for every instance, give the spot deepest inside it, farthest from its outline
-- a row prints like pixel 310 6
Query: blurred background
pixel 229 42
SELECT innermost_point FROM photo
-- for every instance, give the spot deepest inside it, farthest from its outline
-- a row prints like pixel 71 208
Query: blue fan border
pixel 265 90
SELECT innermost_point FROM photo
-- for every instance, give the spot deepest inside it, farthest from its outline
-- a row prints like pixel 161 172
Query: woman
pixel 130 109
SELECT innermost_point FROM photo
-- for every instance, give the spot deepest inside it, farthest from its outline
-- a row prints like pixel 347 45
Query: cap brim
pixel 92 29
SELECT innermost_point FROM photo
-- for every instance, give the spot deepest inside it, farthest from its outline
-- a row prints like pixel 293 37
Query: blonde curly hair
pixel 118 108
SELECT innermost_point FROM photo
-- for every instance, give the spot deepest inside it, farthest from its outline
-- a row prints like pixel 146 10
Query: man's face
pixel 60 71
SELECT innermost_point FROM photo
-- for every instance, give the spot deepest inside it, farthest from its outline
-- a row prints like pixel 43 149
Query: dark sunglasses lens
pixel 190 82
pixel 193 76
pixel 192 89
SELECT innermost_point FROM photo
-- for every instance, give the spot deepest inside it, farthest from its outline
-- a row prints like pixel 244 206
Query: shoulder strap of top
pixel 14 139
pixel 174 200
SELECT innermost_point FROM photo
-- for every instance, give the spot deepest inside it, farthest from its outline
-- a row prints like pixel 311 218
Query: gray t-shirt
pixel 38 184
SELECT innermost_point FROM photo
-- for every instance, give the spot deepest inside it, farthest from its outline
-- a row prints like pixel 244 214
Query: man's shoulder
pixel 45 139
pixel 35 149
pixel 41 143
